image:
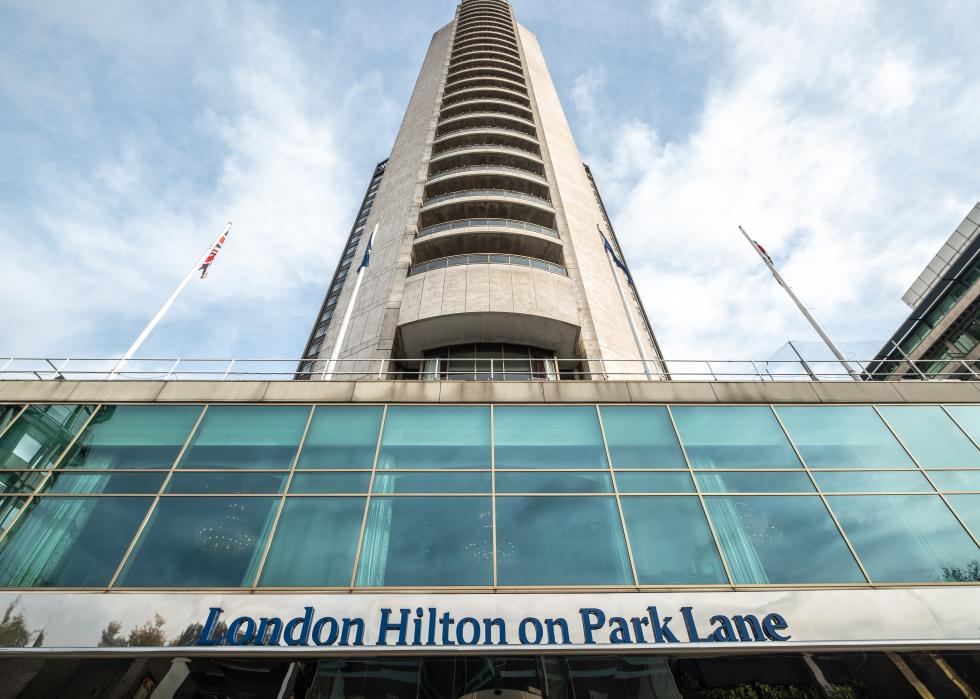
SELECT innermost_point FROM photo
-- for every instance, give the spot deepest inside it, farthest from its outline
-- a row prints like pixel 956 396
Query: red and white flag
pixel 763 251
pixel 209 260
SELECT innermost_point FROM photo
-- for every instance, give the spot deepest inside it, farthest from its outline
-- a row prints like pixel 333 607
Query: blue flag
pixel 616 261
pixel 367 254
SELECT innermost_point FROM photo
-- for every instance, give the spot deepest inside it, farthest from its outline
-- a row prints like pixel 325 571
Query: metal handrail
pixel 486 223
pixel 464 168
pixel 453 88
pixel 487 259
pixel 483 66
pixel 506 193
pixel 515 95
pixel 493 100
pixel 533 138
pixel 484 146
pixel 512 118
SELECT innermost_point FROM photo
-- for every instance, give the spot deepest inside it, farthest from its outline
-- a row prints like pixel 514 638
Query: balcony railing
pixel 461 260
pixel 490 169
pixel 470 193
pixel 486 223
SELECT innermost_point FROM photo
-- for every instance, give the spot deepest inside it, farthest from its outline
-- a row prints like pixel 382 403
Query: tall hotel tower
pixel 487 244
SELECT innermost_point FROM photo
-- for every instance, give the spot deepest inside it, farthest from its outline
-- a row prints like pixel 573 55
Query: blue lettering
pixel 742 625
pixel 463 623
pixel 358 625
pixel 772 624
pixel 522 631
pixel 561 624
pixel 592 620
pixel 723 629
pixel 386 626
pixel 318 631
pixel 488 625
pixel 269 631
pixel 620 630
pixel 638 624
pixel 207 633
pixel 236 636
pixel 692 628
pixel 303 624
pixel 661 628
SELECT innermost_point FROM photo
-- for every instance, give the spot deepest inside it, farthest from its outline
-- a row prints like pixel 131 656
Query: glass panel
pixel 733 437
pixel 201 542
pixel 133 436
pixel 968 508
pixel 753 482
pixel 762 537
pixel 37 438
pixel 70 542
pixel 10 507
pixel 418 436
pixel 439 482
pixel 107 483
pixel 341 437
pixel 647 482
pixel 7 415
pixel 427 541
pixel 554 482
pixel 968 417
pixel 391 678
pixel 687 557
pixel 298 559
pixel 565 436
pixel 247 436
pixel 641 437
pixel 221 483
pixel 872 482
pixel 330 483
pixel 906 538
pixel 20 481
pixel 847 436
pixel 560 540
pixel 956 480
pixel 934 440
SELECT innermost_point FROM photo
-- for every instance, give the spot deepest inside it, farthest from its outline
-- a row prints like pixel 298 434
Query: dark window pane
pixel 418 436
pixel 933 438
pixel 427 541
pixel 872 482
pixel 108 483
pixel 330 483
pixel 227 483
pixel 733 437
pixel 37 438
pixel 763 539
pixel 298 559
pixel 846 436
pixel 70 542
pixel 391 678
pixel 554 482
pixel 956 480
pixel 431 482
pixel 560 540
pixel 687 556
pixel 906 538
pixel 548 437
pixel 753 482
pixel 648 482
pixel 133 436
pixel 247 436
pixel 341 437
pixel 201 542
pixel 641 437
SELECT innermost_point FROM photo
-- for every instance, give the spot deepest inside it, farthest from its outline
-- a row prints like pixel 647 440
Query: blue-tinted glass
pixel 560 540
pixel 330 483
pixel 968 508
pixel 436 436
pixel 133 436
pixel 753 482
pixel 641 436
pixel 956 480
pixel 905 538
pixel 559 436
pixel 227 483
pixel 247 436
pixel 554 482
pixel 341 436
pixel 968 417
pixel 107 483
pixel 843 436
pixel 687 556
pixel 733 437
pixel 37 438
pixel 70 542
pixel 933 438
pixel 7 414
pixel 20 481
pixel 10 507
pixel 431 482
pixel 201 542
pixel 647 482
pixel 788 539
pixel 872 482
pixel 298 559
pixel 436 541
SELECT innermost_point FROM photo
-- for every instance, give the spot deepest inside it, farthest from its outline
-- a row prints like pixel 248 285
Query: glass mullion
pixel 619 505
pixel 367 500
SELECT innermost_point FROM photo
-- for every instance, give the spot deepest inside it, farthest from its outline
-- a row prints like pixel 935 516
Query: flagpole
pixel 626 308
pixel 165 307
pixel 803 309
pixel 349 311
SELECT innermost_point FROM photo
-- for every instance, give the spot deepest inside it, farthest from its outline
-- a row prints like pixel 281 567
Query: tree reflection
pixel 151 634
pixel 968 573
pixel 13 628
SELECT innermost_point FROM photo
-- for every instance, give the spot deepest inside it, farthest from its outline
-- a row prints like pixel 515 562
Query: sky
pixel 842 134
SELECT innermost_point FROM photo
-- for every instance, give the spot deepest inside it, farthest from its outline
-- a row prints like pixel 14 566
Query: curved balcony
pixel 491 29
pixel 497 236
pixel 486 137
pixel 484 37
pixel 485 69
pixel 447 179
pixel 478 24
pixel 470 13
pixel 479 120
pixel 486 56
pixel 494 48
pixel 465 195
pixel 460 260
pixel 485 105
pixel 486 93
pixel 513 206
pixel 483 155
pixel 467 83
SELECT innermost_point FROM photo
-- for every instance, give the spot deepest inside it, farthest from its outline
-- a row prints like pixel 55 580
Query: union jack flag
pixel 209 260
pixel 763 251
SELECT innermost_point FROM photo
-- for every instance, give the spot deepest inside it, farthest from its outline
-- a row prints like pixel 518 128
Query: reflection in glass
pixel 934 440
pixel 659 482
pixel 10 507
pixel 554 482
pixel 763 538
pixel 70 542
pixel 872 482
pixel 560 540
pixel 133 436
pixel 753 482
pixel 341 437
pixel 330 482
pixel 968 418
pixel 560 436
pixel 201 542
pixel 905 538
pixel 20 481
pixel 7 415
pixel 325 560
pixel 247 436
pixel 106 483
pixel 641 436
pixel 436 436
pixel 956 480
pixel 968 508
pixel 37 438
pixel 227 483
pixel 733 437
pixel 427 541
pixel 391 678
pixel 843 436
pixel 687 556
pixel 437 482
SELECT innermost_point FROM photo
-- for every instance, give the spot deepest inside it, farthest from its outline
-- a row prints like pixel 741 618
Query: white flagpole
pixel 803 309
pixel 647 369
pixel 165 307
pixel 348 312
